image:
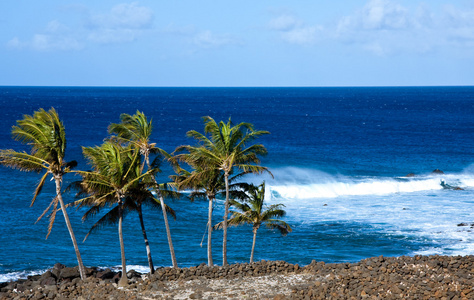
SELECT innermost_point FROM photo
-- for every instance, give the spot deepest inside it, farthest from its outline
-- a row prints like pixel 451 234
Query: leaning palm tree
pixel 115 173
pixel 204 183
pixel 45 133
pixel 252 211
pixel 137 130
pixel 226 149
pixel 136 197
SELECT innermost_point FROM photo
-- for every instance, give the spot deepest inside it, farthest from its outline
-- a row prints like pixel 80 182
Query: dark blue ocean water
pixel 339 156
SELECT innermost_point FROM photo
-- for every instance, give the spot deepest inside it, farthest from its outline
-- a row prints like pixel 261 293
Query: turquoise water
pixel 339 156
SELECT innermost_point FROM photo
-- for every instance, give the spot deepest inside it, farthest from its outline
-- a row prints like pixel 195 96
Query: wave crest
pixel 294 183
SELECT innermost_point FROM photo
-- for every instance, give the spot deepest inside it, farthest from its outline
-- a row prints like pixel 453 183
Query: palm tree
pixel 137 130
pixel 116 171
pixel 45 133
pixel 136 197
pixel 226 149
pixel 204 183
pixel 252 211
pixel 201 188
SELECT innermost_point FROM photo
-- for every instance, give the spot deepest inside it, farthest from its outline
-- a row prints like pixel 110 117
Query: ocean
pixel 340 159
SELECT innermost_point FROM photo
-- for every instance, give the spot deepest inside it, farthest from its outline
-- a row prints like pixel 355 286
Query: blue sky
pixel 236 43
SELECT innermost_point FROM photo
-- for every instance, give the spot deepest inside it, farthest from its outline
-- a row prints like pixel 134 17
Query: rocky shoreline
pixel 419 277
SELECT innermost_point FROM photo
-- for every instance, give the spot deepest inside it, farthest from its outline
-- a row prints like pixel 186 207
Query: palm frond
pixel 45 133
pixel 94 209
pixel 46 210
pixel 251 210
pixel 156 204
pixel 22 161
pixel 282 226
pixel 70 165
pixel 52 216
pixel 110 218
pixel 39 187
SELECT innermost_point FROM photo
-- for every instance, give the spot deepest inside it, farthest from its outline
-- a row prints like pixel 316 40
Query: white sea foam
pixel 12 276
pixel 138 268
pixel 353 188
pixel 415 207
pixel 296 183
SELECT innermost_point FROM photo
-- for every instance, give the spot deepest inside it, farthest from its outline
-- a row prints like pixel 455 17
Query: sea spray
pixel 295 183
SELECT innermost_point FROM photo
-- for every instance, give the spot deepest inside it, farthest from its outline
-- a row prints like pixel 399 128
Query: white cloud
pixel 45 42
pixel 460 24
pixel 128 16
pixel 384 14
pixel 179 30
pixel 15 43
pixel 56 36
pixel 377 49
pixel 302 35
pixel 385 27
pixel 112 36
pixel 295 31
pixel 207 39
pixel 124 23
pixel 284 23
pixel 458 17
pixel 376 15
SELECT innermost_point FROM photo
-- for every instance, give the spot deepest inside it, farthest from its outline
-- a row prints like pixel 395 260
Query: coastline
pixel 418 277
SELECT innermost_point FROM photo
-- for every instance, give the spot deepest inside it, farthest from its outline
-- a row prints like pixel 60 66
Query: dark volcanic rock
pixel 466 224
pixel 69 273
pixel 133 274
pixel 48 278
pixel 105 274
pixel 418 277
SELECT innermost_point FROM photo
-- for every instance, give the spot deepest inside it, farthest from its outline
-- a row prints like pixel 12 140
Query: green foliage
pixel 44 133
pixel 252 210
pixel 115 175
pixel 227 147
pixel 134 132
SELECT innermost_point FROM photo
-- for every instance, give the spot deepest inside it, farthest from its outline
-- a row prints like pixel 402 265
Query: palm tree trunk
pixel 209 234
pixel 253 244
pixel 80 265
pixel 147 244
pixel 165 217
pixel 226 213
pixel 168 233
pixel 123 280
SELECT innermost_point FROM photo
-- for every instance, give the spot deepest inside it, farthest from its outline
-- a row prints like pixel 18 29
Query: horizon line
pixel 191 86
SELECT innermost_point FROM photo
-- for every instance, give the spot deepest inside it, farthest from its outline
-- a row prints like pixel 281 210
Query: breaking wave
pixel 295 183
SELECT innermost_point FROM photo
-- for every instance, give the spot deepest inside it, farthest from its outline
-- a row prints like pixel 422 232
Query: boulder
pixel 450 187
pixel 117 277
pixel 437 171
pixel 48 278
pixel 133 274
pixel 59 266
pixel 105 274
pixel 69 273
pixel 48 281
pixel 466 224
pixel 56 270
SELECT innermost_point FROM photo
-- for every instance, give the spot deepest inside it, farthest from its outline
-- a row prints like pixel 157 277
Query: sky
pixel 236 43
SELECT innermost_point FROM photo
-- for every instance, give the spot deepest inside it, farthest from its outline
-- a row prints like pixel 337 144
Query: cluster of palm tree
pixel 122 178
